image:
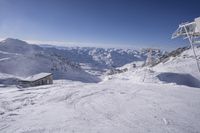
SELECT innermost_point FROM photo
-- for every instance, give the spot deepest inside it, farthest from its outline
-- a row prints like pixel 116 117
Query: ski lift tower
pixel 190 31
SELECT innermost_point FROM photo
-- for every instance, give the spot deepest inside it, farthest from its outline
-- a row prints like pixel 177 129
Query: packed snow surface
pixel 119 105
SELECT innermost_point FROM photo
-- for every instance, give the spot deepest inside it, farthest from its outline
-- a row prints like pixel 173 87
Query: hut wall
pixel 43 81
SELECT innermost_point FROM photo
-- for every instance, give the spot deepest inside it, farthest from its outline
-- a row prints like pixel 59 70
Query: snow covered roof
pixel 36 76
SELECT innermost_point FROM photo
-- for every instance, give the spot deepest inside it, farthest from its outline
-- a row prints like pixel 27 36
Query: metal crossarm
pixel 190 31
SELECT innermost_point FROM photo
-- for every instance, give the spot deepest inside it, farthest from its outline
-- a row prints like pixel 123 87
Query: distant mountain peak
pixel 13 40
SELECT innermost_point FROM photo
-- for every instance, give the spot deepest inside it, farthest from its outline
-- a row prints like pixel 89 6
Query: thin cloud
pixel 79 44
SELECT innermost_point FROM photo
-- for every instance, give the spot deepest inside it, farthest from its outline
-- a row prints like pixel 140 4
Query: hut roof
pixel 36 77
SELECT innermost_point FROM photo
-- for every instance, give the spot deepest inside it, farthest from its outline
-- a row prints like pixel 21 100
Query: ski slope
pixel 117 105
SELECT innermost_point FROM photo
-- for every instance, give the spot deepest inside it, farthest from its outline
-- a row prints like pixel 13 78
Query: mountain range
pixel 86 64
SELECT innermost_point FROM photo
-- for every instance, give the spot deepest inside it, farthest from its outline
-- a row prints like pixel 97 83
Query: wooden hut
pixel 36 80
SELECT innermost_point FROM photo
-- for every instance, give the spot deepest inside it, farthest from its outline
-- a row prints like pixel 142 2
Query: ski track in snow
pixel 110 106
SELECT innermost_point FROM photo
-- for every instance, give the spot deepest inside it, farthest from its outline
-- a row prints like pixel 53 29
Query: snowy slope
pixel 184 63
pixel 21 59
pixel 11 45
pixel 118 105
pixel 178 68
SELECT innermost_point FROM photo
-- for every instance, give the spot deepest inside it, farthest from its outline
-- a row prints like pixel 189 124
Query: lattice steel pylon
pixel 190 31
pixel 149 57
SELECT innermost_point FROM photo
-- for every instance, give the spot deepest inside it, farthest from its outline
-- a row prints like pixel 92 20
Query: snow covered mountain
pixel 102 58
pixel 22 59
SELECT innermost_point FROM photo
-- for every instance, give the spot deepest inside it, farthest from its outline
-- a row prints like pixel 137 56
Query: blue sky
pixel 100 23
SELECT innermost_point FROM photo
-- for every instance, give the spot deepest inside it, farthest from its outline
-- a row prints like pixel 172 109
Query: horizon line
pixel 84 44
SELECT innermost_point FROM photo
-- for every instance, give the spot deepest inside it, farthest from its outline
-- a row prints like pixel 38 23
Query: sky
pixel 97 23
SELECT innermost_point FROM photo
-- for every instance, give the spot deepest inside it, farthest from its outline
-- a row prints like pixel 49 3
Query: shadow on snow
pixel 180 79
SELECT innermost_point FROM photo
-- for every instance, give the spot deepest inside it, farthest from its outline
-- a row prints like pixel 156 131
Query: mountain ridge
pixel 69 62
